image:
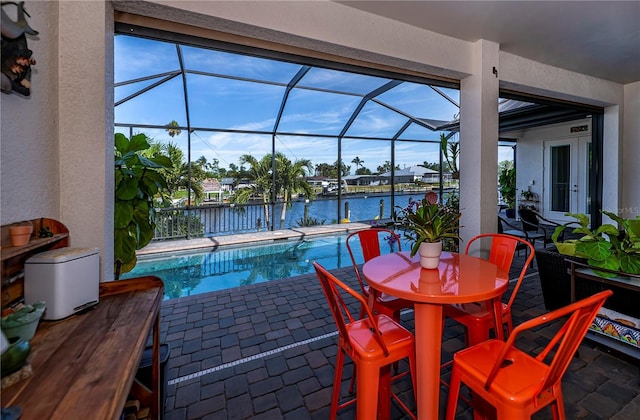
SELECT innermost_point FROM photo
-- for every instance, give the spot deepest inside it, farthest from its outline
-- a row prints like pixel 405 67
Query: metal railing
pixel 220 219
pixel 217 219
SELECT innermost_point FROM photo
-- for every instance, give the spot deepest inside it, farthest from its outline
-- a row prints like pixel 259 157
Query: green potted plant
pixel 507 180
pixel 137 181
pixel 426 223
pixel 609 247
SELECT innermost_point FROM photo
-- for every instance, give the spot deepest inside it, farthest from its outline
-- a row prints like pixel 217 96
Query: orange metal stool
pixel 370 244
pixel 516 383
pixel 477 317
pixel 373 342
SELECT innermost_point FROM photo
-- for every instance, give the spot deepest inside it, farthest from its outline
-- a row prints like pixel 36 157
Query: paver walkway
pixel 267 351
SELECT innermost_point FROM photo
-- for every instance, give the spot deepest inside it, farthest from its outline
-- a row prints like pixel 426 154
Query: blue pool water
pixel 193 272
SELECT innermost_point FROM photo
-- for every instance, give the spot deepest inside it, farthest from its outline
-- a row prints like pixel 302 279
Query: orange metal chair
pixel 516 383
pixel 369 240
pixel 372 342
pixel 477 317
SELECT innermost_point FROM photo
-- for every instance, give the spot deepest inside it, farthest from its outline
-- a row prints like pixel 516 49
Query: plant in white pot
pixel 426 223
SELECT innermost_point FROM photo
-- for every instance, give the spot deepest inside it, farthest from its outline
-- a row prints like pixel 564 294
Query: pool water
pixel 188 273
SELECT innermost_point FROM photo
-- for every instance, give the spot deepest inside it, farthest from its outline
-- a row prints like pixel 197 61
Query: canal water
pixel 361 208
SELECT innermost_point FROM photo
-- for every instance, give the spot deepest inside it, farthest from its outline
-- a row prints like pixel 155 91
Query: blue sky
pixel 241 93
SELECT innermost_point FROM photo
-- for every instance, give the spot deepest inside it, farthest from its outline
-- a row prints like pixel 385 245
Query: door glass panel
pixel 560 177
pixel 587 204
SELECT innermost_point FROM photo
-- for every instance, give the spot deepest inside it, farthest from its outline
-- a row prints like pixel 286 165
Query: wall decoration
pixel 16 56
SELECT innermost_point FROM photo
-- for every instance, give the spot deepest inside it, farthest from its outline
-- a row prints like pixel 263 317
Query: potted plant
pixel 426 223
pixel 609 247
pixel 507 180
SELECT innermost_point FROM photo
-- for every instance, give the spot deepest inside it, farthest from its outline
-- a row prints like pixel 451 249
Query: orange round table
pixel 459 278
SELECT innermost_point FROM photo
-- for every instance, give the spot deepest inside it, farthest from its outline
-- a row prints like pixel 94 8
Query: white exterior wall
pixel 530 149
pixel 630 181
pixel 56 146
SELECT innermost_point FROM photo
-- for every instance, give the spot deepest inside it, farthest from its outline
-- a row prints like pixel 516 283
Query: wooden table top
pixel 83 366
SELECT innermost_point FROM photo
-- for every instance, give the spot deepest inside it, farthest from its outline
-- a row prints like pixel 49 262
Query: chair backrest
pixel 579 315
pixel 369 240
pixel 529 220
pixel 335 291
pixel 502 251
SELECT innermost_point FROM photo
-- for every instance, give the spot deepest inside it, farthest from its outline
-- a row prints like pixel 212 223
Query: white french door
pixel 566 172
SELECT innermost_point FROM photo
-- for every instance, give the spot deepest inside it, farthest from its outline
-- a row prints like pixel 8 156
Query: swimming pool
pixel 187 273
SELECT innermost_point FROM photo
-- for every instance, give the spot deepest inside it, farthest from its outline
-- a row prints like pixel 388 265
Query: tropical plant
pixel 137 182
pixel 261 183
pixel 427 221
pixel 507 182
pixel 609 247
pixel 527 195
pixel 450 151
pixel 309 221
pixel 181 176
pixel 291 179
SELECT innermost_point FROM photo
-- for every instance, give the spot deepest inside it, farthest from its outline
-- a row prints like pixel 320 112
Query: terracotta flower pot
pixel 20 235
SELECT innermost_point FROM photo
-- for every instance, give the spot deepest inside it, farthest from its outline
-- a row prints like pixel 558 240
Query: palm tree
pixel 358 162
pixel 178 176
pixel 292 180
pixel 259 174
pixel 173 128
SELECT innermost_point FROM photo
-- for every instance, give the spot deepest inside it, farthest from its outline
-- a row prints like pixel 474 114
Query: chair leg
pixel 367 392
pixel 361 312
pixel 454 392
pixel 396 317
pixel 557 407
pixel 353 379
pixel 509 327
pixel 507 412
pixel 412 370
pixel 337 382
pixel 475 335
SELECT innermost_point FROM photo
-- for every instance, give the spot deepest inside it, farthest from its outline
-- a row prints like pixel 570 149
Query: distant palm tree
pixel 259 174
pixel 358 162
pixel 179 175
pixel 289 179
pixel 172 128
pixel 292 180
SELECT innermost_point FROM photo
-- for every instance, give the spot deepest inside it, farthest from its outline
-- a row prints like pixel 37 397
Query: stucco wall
pixel 30 179
pixel 57 158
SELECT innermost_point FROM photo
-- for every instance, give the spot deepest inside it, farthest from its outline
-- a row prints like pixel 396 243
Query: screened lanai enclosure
pixel 262 140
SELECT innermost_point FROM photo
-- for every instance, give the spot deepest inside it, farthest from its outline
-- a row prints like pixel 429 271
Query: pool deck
pixel 267 351
pixel 215 242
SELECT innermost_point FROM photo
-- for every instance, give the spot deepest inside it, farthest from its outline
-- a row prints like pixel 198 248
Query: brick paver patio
pixel 267 351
